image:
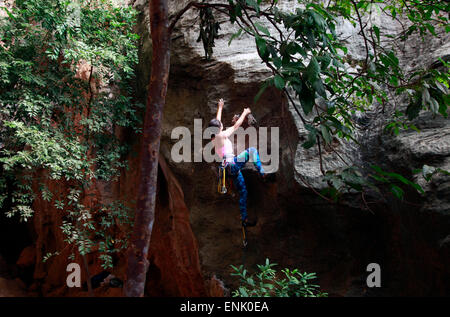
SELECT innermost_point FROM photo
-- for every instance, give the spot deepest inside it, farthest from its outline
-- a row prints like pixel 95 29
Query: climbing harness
pixel 221 185
pixel 224 169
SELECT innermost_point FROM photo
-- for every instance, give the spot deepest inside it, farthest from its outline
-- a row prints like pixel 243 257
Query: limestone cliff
pixel 197 233
pixel 297 228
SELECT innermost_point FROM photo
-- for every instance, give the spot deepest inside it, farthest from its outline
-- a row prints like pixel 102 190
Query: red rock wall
pixel 173 256
pixel 174 261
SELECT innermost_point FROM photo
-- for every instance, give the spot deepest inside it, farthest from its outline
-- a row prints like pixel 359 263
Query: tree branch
pixel 362 31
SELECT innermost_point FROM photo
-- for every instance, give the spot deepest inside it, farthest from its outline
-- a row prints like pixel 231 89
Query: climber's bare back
pixel 222 142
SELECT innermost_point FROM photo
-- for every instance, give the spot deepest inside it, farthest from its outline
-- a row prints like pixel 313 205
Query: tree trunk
pixel 145 203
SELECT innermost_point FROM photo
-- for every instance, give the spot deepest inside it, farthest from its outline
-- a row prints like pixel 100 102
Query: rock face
pixel 197 233
pixel 174 264
pixel 297 228
pixel 12 288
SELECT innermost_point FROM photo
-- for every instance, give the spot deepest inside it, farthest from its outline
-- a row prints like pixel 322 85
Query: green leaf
pixel 443 106
pixel 377 32
pixel 311 141
pixel 430 28
pixel 262 28
pixel 279 82
pixel 434 105
pixel 413 109
pixel 262 47
pixel 337 63
pixel 253 4
pixel 243 292
pixel 307 99
pixel 310 37
pixel 277 62
pixel 313 70
pixel 235 36
pixel 442 87
pixel 297 86
pixel 325 61
pixel 319 88
pixel 318 19
pixel 397 191
pixel 425 95
pixel 393 57
pixel 326 134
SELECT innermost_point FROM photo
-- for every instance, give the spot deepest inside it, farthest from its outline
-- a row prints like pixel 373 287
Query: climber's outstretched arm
pixel 238 123
pixel 219 110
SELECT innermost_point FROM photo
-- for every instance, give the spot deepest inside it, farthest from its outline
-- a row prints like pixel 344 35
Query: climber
pixel 234 164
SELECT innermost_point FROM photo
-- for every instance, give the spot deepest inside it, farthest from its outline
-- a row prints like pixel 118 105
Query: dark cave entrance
pixel 15 236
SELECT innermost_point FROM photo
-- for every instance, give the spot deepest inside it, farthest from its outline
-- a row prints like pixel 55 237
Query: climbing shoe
pixel 249 223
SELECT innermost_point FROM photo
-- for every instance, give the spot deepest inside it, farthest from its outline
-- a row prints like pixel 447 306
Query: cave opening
pixel 19 237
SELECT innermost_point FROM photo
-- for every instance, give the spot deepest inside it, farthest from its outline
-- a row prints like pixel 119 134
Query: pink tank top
pixel 226 150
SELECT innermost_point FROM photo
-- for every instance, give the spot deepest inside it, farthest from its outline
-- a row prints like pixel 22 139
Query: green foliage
pixel 269 283
pixel 66 74
pixel 429 171
pixel 347 180
pixel 209 29
pixel 48 256
pixel 310 65
pixel 390 178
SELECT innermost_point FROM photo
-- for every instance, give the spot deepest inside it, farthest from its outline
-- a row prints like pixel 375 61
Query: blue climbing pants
pixel 238 179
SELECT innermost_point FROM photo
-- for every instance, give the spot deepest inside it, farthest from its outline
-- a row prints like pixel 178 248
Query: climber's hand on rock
pixel 221 102
pixel 247 111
